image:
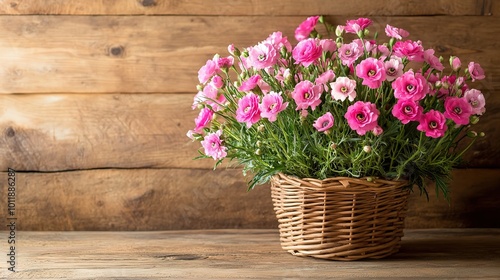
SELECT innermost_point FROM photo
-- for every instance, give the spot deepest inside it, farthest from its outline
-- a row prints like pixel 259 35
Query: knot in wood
pixel 116 51
pixel 147 3
pixel 10 132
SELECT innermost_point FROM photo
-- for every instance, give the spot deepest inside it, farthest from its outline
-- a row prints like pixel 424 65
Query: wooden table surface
pixel 242 254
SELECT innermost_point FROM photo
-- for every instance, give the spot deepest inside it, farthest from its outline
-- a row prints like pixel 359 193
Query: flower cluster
pixel 348 106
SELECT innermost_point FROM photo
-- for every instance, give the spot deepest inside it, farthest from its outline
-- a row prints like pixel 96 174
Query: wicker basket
pixel 339 218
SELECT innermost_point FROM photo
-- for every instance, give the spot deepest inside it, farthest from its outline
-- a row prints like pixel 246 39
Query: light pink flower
pixel 397 33
pixel 343 88
pixel 455 63
pixel 355 26
pixel 349 53
pixel 476 100
pixel 377 130
pixel 204 118
pixel 362 117
pixel 410 49
pixel 271 105
pixel 262 56
pixel 457 109
pixel 393 68
pixel 217 81
pixel 407 110
pixel 307 52
pixel 207 71
pixel 283 74
pixel 278 41
pixel 325 78
pixel 328 45
pixel 212 143
pixel 475 71
pixel 384 51
pixel 433 123
pixel 305 28
pixel 264 87
pixel 231 49
pixel 432 60
pixel 248 109
pixel 372 71
pixel 250 83
pixel 410 86
pixel 366 45
pixel 324 123
pixel 306 95
pixel 212 97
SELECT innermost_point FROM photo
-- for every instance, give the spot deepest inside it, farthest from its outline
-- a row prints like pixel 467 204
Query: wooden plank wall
pixel 95 102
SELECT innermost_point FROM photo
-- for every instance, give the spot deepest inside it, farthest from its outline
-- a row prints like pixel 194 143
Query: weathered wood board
pixel 246 8
pixel 160 199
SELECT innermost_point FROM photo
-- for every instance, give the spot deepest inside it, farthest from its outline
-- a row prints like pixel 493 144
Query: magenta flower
pixel 305 28
pixel 433 60
pixel 362 117
pixel 250 83
pixel 410 49
pixel 262 56
pixel 343 88
pixel 278 41
pixel 393 68
pixel 355 26
pixel 476 100
pixel 271 105
pixel 372 71
pixel 204 118
pixel 212 144
pixel 306 95
pixel 207 71
pixel 349 53
pixel 457 109
pixel 248 109
pixel 397 33
pixel 433 123
pixel 410 86
pixel 407 110
pixel 325 122
pixel 307 52
pixel 475 71
pixel 225 62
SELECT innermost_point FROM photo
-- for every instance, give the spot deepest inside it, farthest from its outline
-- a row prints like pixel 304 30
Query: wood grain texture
pixel 241 7
pixel 163 54
pixel 56 132
pixel 161 199
pixel 245 254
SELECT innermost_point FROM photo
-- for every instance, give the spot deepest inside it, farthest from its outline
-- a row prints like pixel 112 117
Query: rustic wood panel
pixel 159 199
pixel 245 254
pixel 163 54
pixel 54 132
pixel 242 7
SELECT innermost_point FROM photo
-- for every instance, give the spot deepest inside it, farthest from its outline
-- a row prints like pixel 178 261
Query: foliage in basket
pixel 348 106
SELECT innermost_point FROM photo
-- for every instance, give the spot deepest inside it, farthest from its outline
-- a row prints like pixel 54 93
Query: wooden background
pixel 95 102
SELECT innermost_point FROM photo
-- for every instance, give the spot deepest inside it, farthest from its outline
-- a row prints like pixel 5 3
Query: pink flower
pixel 407 110
pixel 325 122
pixel 457 109
pixel 455 63
pixel 362 116
pixel 412 50
pixel 231 49
pixel 355 26
pixel 217 81
pixel 432 60
pixel 433 123
pixel 325 78
pixel 278 41
pixel 397 33
pixel 262 56
pixel 343 88
pixel 248 109
pixel 377 130
pixel 212 97
pixel 328 45
pixel 476 100
pixel 250 83
pixel 207 71
pixel 349 53
pixel 306 95
pixel 475 71
pixel 307 51
pixel 410 86
pixel 384 51
pixel 271 105
pixel 203 119
pixel 372 71
pixel 225 62
pixel 212 144
pixel 393 68
pixel 305 28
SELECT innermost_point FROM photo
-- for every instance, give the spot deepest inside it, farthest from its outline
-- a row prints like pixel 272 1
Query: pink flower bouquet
pixel 333 107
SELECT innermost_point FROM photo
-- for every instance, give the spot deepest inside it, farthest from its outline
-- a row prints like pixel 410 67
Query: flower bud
pixel 472 134
pixel 258 152
pixel 260 128
pixel 455 63
pixel 333 146
pixel 481 134
pixel 259 143
pixel 474 119
pixel 199 88
pixel 367 149
pixel 369 179
pixel 339 30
